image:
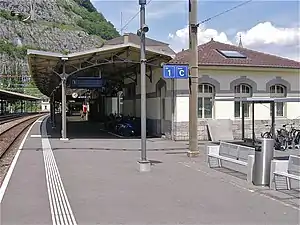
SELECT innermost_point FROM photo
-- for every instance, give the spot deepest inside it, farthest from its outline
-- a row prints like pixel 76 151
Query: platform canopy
pixel 117 59
pixel 9 95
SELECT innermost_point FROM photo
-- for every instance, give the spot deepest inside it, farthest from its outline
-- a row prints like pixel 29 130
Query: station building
pixel 224 71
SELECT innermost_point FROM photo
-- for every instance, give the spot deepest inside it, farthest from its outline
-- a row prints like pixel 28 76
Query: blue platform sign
pixel 176 71
pixel 87 82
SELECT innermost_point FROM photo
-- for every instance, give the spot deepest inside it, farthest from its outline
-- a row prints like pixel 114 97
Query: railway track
pixel 6 119
pixel 10 135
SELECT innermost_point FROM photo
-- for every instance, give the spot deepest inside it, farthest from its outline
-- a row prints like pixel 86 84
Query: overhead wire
pixel 201 22
pixel 224 12
pixel 132 18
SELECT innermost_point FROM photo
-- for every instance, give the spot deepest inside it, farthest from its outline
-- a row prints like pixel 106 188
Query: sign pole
pixel 144 164
pixel 193 98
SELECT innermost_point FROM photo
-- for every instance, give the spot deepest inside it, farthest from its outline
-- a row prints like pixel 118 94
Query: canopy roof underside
pixel 9 95
pixel 113 62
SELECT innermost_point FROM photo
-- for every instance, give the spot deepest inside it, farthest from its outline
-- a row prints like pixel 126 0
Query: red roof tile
pixel 209 56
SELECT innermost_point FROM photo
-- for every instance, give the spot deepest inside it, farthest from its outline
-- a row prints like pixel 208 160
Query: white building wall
pixel 221 110
pixel 127 107
pixel 45 106
pixel 225 110
pixel 182 108
pixel 153 102
pixel 111 105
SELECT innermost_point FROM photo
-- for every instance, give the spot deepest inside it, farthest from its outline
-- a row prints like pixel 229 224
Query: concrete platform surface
pixel 26 198
pixel 92 186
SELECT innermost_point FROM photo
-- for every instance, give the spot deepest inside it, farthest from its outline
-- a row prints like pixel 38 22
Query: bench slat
pixel 295 177
pixel 244 152
pixel 229 150
pixel 237 152
pixel 228 159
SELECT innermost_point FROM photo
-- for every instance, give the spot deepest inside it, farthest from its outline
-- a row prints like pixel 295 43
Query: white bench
pixel 290 169
pixel 237 154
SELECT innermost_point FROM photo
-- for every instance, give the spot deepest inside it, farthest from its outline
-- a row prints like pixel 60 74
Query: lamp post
pixel 144 164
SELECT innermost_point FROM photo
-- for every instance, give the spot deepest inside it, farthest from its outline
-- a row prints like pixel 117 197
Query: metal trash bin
pixel 264 152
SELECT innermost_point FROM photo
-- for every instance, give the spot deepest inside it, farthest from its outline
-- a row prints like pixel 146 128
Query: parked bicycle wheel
pixel 297 138
pixel 283 143
pixel 266 135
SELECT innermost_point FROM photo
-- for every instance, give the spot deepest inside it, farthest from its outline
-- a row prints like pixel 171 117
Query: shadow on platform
pixel 79 129
pixel 232 172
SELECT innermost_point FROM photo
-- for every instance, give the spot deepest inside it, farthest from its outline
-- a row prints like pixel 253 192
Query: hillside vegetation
pixel 57 25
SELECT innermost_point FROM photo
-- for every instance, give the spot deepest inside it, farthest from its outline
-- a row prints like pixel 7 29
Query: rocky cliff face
pixel 54 25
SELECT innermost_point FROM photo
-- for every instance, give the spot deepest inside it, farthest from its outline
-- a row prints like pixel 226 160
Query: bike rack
pixel 255 100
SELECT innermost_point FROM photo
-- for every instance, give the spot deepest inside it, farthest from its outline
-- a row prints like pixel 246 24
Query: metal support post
pixel 144 163
pixel 52 111
pixel 63 104
pixel 51 115
pixel 2 107
pixel 54 116
pixel 243 121
pixel 173 109
pixel 193 106
pixel 253 122
pixel 273 120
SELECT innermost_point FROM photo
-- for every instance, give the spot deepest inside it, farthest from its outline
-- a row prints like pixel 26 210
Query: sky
pixel 268 26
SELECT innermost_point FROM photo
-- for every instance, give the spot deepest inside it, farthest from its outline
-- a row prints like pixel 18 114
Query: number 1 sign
pixel 175 71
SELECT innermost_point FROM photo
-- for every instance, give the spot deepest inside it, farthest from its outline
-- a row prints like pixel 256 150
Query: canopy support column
pixel 273 120
pixel 253 122
pixel 63 104
pixel 21 104
pixel 243 120
pixel 52 111
pixel 2 107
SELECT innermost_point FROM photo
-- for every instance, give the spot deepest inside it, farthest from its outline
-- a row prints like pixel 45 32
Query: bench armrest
pixel 277 166
pixel 213 149
pixel 250 164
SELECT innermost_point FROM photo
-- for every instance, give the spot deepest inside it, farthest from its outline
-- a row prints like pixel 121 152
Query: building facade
pixel 45 105
pixel 224 71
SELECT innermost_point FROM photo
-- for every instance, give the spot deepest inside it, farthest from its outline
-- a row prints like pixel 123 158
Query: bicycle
pixel 281 140
pixel 294 136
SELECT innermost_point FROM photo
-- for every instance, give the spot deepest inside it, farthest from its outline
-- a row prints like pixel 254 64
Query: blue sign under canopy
pixel 87 82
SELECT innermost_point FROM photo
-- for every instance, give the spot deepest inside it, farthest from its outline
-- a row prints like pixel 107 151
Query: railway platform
pixel 96 181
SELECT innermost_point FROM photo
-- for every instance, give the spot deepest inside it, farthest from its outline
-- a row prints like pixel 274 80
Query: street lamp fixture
pixel 143 30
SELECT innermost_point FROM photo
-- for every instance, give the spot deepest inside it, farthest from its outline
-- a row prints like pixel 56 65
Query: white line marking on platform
pixel 119 136
pixel 35 136
pixel 61 212
pixel 14 162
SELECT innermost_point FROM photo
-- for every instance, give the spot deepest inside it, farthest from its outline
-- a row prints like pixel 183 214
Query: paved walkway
pixel 57 182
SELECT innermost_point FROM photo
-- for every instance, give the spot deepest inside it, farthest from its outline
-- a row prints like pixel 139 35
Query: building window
pixel 241 91
pixel 278 91
pixel 206 93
